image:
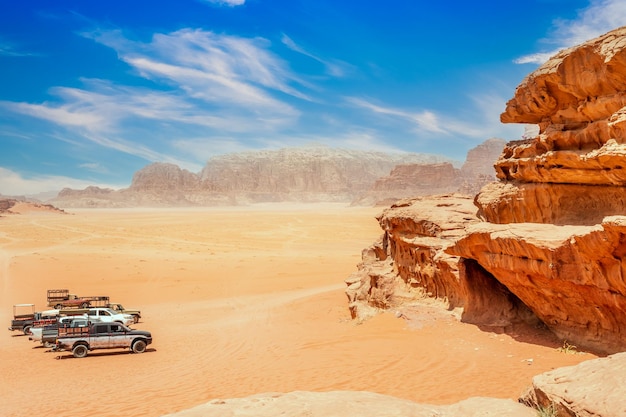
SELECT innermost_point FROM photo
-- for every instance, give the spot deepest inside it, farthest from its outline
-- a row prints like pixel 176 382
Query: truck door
pixel 101 336
pixel 118 336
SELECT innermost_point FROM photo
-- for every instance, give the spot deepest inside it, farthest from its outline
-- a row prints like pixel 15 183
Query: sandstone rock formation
pixel 347 403
pixel 550 246
pixel 411 261
pixel 312 174
pixel 477 170
pixel 575 170
pixel 591 388
pixel 411 180
pixel 571 277
pixel 14 206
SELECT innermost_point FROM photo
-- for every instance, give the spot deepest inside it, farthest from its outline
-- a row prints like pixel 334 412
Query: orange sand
pixel 239 301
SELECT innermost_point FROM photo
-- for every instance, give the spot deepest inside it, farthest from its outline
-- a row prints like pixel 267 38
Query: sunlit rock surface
pixel 545 243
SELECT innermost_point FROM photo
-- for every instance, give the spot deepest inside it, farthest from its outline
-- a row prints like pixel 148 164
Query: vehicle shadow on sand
pixel 68 354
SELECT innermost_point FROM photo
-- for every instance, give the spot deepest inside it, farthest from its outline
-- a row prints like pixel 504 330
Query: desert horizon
pixel 240 301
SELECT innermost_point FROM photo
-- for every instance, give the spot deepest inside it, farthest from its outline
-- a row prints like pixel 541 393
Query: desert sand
pixel 240 301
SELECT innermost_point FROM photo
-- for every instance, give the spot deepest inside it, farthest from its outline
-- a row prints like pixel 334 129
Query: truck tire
pixel 84 305
pixel 139 346
pixel 80 351
pixel 48 345
pixel 26 330
pixel 58 306
pixel 136 318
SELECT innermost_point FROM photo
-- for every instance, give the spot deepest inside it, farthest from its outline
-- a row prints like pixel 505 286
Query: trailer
pixel 61 298
pixel 25 317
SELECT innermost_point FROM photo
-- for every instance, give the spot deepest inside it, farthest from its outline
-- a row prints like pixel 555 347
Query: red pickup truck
pixel 62 299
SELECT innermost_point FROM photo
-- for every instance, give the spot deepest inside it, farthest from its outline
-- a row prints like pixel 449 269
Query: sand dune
pixel 240 301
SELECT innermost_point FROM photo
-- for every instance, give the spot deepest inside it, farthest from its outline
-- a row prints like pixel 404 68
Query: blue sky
pixel 92 91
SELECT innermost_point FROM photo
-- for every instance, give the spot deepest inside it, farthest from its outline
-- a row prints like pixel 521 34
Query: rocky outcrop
pixel 550 243
pixel 571 277
pixel 160 177
pixel 577 163
pixel 478 170
pixel 311 174
pixel 302 174
pixel 594 388
pixel 411 261
pixel 411 180
pixel 351 403
pixel 15 206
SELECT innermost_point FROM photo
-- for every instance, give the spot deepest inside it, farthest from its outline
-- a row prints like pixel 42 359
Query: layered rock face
pixel 302 174
pixel 410 261
pixel 411 180
pixel 575 170
pixel 571 174
pixel 551 242
pixel 308 174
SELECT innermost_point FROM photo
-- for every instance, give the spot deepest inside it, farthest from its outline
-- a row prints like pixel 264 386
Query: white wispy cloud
pixel 596 19
pixel 216 68
pixel 334 68
pixel 14 184
pixel 425 120
pixel 481 123
pixel 229 3
pixel 8 48
pixel 225 84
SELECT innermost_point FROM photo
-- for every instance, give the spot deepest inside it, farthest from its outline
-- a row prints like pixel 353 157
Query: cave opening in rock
pixel 490 303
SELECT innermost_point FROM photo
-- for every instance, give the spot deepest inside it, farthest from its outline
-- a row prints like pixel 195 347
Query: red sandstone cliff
pixel 538 247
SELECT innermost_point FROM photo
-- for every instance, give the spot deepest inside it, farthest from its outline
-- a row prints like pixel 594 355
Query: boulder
pixel 594 388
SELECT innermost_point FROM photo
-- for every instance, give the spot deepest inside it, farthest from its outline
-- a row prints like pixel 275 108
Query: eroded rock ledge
pixel 574 171
pixel 546 242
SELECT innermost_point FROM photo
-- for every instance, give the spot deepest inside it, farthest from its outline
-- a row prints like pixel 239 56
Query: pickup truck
pixel 102 336
pixel 25 316
pixel 107 315
pixel 47 333
pixel 62 299
pixel 117 307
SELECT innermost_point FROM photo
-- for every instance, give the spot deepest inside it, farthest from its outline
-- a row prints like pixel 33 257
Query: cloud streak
pixel 14 184
pixel 228 3
pixel 334 68
pixel 598 18
pixel 432 123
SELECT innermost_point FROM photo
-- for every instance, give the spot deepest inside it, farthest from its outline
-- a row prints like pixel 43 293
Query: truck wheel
pixel 139 346
pixel 48 345
pixel 80 351
pixel 84 305
pixel 58 306
pixel 136 317
pixel 26 330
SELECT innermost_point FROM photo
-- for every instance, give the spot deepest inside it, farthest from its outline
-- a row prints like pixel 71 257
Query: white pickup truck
pixel 102 336
pixel 106 315
pixel 47 334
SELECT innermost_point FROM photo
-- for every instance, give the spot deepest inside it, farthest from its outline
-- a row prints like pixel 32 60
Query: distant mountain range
pixel 308 174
